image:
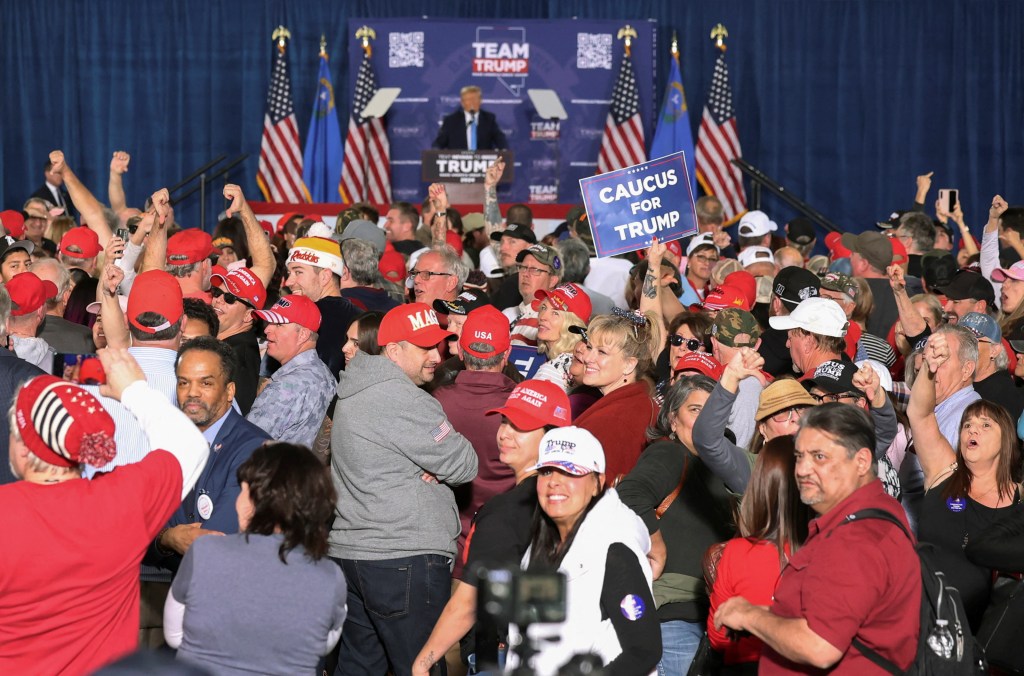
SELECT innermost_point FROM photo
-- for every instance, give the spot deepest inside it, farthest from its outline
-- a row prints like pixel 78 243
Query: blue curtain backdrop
pixel 842 101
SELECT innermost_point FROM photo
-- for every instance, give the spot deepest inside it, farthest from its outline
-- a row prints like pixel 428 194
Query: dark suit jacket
pixel 44 193
pixel 235 442
pixel 67 337
pixel 13 372
pixel 452 135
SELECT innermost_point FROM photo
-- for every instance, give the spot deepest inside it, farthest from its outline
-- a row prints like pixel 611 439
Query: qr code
pixel 594 50
pixel 405 50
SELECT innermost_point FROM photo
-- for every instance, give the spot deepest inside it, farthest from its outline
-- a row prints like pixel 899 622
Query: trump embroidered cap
pixel 80 242
pixel 536 403
pixel 155 291
pixel 64 425
pixel 701 362
pixel 28 293
pixel 293 309
pixel 189 246
pixel 566 298
pixel 242 283
pixel 413 322
pixel 572 450
pixel 725 297
pixel 488 326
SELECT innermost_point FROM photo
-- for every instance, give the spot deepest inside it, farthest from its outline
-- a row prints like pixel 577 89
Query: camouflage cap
pixel 842 283
pixel 736 328
pixel 346 217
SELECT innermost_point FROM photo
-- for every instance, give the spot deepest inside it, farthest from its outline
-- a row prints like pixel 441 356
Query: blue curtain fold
pixel 844 102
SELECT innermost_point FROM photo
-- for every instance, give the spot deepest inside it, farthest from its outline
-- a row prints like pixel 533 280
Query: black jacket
pixel 452 135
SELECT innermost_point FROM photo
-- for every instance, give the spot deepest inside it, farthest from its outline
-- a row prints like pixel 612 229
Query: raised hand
pixel 112 275
pixel 438 197
pixel 924 184
pixel 745 363
pixel 936 352
pixel 234 193
pixel 161 205
pixel 896 279
pixel 57 161
pixel 998 207
pixel 494 173
pixel 866 380
pixel 655 253
pixel 119 162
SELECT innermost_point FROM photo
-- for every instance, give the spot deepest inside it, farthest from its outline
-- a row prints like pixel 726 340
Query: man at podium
pixel 470 128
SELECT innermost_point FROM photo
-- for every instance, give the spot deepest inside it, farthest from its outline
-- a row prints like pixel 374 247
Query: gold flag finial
pixel 323 45
pixel 629 33
pixel 281 34
pixel 675 45
pixel 365 33
pixel 718 34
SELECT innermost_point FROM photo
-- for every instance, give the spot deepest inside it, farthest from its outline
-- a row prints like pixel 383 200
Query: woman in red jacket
pixel 772 523
pixel 618 363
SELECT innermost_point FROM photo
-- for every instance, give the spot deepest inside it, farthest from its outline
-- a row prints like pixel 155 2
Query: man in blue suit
pixel 470 128
pixel 205 371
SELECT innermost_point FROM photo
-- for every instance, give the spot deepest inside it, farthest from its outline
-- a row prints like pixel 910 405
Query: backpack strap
pixel 882 515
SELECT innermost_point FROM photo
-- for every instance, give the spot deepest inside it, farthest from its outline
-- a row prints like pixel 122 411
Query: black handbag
pixel 706 661
pixel 1002 630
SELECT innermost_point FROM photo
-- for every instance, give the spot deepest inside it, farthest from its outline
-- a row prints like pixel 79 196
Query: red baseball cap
pixel 392 266
pixel 242 283
pixel 963 241
pixel 725 297
pixel 412 322
pixel 29 292
pixel 293 309
pixel 63 424
pixel 485 325
pixel 567 298
pixel 189 246
pixel 13 222
pixel 744 282
pixel 834 242
pixel 899 252
pixel 675 247
pixel 80 242
pixel 283 220
pixel 453 240
pixel 536 403
pixel 155 291
pixel 701 362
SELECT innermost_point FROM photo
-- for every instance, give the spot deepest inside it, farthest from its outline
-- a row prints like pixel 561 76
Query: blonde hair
pixel 58 227
pixel 632 337
pixel 567 340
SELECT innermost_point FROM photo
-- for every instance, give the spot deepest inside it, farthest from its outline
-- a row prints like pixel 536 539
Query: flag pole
pixel 718 34
pixel 365 34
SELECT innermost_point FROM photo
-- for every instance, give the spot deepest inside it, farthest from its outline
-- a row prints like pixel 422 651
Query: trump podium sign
pixel 629 207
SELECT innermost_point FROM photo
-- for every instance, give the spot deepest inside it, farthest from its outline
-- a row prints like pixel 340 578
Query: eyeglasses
pixel 230 298
pixel 705 259
pixel 787 415
pixel 532 272
pixel 425 275
pixel 834 398
pixel 692 344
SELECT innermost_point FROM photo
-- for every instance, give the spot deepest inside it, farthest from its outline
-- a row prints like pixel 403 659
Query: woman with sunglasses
pixel 235 295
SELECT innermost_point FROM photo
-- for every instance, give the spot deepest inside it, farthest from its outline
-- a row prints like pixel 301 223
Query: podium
pixel 462 171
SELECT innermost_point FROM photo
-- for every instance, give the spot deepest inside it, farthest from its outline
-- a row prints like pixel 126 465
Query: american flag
pixel 280 168
pixel 718 144
pixel 623 142
pixel 366 172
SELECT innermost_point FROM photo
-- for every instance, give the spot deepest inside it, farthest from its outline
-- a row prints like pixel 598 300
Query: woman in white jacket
pixel 600 545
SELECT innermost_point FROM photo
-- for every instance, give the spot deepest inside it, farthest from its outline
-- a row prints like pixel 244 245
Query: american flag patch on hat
pixel 441 431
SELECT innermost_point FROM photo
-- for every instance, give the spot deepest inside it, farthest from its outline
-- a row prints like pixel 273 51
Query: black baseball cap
pixel 9 244
pixel 516 230
pixel 937 269
pixel 834 376
pixel 800 230
pixel 967 284
pixel 463 304
pixel 795 284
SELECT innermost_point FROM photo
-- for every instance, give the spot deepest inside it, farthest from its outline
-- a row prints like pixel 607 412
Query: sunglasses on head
pixel 692 344
pixel 229 298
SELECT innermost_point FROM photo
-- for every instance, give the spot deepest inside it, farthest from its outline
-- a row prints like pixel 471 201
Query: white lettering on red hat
pixel 423 319
pixel 483 335
pixel 569 290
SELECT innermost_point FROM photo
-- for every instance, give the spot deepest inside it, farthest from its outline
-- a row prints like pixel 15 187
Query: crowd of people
pixel 295 447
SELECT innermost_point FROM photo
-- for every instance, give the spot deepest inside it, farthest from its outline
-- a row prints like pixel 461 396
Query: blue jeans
pixel 392 608
pixel 679 641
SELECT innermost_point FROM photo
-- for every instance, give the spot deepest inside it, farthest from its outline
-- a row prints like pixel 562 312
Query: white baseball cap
pixel 822 316
pixel 703 239
pixel 756 224
pixel 755 254
pixel 571 449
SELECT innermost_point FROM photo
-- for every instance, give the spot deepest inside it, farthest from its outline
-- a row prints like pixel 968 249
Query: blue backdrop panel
pixel 431 60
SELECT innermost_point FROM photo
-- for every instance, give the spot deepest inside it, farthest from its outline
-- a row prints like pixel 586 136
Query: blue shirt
pixel 293 405
pixel 949 412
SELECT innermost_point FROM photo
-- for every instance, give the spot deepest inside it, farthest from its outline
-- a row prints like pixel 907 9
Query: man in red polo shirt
pixel 859 581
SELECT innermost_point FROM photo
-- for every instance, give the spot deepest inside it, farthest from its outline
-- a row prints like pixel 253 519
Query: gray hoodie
pixel 386 434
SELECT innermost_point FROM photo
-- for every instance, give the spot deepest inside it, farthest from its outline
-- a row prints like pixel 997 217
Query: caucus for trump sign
pixel 630 206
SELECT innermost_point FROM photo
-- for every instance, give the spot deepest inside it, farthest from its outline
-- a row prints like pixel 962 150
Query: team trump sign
pixel 630 206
